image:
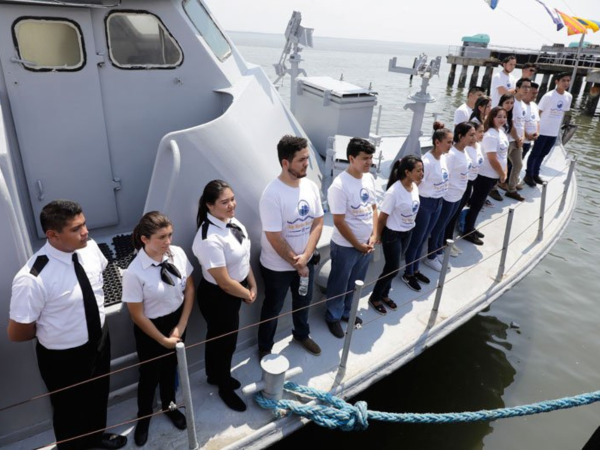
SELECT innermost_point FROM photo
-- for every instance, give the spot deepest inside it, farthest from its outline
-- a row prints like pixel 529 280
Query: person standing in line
pixel 431 192
pixel 507 101
pixel 458 165
pixel 552 107
pixel 57 297
pixel 503 82
pixel 352 201
pixel 223 249
pixel 495 148
pixel 482 108
pixel 528 71
pixel 292 220
pixel 515 149
pixel 396 221
pixel 464 111
pixel 158 289
pixel 532 118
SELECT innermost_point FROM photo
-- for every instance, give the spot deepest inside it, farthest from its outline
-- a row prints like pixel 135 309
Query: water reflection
pixel 466 371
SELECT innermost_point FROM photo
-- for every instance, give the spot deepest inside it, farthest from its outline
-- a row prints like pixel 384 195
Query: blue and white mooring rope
pixel 336 413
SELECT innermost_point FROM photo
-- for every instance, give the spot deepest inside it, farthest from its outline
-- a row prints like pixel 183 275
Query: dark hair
pixel 508 59
pixel 439 134
pixel 461 130
pixel 509 114
pixel 288 146
pixel 529 65
pixel 561 75
pixel 357 145
pixel 482 101
pixel 58 213
pixel 475 125
pixel 520 81
pixel 489 120
pixel 474 90
pixel 409 162
pixel 212 192
pixel 535 86
pixel 150 223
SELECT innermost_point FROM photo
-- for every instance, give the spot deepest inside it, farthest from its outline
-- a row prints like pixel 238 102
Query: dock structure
pixel 550 60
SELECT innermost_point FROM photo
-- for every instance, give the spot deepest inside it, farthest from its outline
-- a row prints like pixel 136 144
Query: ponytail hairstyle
pixel 400 167
pixel 461 130
pixel 149 224
pixel 212 192
pixel 439 132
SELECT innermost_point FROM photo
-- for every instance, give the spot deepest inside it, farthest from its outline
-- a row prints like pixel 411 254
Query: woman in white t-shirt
pixel 431 192
pixel 223 248
pixel 396 220
pixel 482 108
pixel 159 292
pixel 495 148
pixel 459 165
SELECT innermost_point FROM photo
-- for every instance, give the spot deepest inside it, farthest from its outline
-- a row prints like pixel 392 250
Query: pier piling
pixel 487 79
pixel 592 101
pixel 452 75
pixel 576 89
pixel 474 77
pixel 543 86
pixel 462 79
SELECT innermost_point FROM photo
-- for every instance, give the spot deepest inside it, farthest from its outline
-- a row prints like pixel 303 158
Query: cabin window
pixel 138 40
pixel 207 27
pixel 45 44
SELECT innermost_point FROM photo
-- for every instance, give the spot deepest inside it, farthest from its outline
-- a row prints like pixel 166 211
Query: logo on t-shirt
pixel 559 105
pixel 303 208
pixel 444 174
pixel 364 195
pixel 415 206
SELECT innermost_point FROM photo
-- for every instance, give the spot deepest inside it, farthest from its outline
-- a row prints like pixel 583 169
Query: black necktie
pixel 166 267
pixel 92 315
pixel 237 232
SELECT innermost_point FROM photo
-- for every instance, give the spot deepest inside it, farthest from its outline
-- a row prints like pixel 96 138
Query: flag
pixel 591 24
pixel 492 3
pixel 555 17
pixel 572 24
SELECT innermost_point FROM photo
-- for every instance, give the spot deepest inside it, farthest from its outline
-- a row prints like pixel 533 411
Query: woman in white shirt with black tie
pixel 159 291
pixel 223 248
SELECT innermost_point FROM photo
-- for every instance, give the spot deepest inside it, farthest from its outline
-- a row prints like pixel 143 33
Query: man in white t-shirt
pixel 57 298
pixel 292 220
pixel 464 111
pixel 553 106
pixel 532 118
pixel 503 82
pixel 352 201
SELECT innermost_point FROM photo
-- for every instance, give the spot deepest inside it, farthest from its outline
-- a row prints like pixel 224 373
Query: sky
pixel 514 23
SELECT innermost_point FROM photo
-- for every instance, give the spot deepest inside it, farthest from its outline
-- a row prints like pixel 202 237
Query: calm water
pixel 553 352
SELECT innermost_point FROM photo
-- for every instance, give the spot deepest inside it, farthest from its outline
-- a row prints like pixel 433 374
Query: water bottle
pixel 303 286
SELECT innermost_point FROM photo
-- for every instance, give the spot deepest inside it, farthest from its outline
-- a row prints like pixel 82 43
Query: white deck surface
pixel 385 342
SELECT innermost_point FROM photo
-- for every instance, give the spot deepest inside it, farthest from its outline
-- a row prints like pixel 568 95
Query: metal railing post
pixel 540 234
pixel 186 392
pixel 509 221
pixel 563 200
pixel 378 120
pixel 358 287
pixel 440 286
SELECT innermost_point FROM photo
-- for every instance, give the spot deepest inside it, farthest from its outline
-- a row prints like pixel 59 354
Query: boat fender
pixel 38 265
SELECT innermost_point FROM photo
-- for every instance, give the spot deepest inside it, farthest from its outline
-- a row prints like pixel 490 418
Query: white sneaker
pixel 435 264
pixel 453 252
pixel 440 259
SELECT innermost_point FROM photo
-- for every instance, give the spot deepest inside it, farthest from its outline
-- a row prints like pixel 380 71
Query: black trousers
pixel 449 233
pixel 160 372
pixel 81 409
pixel 222 314
pixel 481 188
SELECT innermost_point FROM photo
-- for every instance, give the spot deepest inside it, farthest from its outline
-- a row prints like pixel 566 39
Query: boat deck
pixel 384 343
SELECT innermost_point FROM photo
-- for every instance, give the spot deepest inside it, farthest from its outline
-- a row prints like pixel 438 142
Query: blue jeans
pixel 394 245
pixel 428 214
pixel 277 285
pixel 540 150
pixel 436 241
pixel 347 266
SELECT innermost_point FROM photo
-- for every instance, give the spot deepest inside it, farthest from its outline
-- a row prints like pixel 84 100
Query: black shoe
pixel 357 321
pixel 514 195
pixel 336 329
pixel 114 441
pixel 496 195
pixel 262 354
pixel 177 418
pixel 472 238
pixel 234 384
pixel 422 278
pixel 411 282
pixel 538 180
pixel 529 181
pixel 140 436
pixel 479 234
pixel 232 400
pixel 309 345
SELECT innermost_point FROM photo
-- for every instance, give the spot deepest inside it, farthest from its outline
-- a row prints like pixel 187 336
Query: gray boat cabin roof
pixel 81 3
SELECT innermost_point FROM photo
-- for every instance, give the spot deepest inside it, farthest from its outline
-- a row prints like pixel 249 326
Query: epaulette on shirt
pixel 38 265
pixel 205 226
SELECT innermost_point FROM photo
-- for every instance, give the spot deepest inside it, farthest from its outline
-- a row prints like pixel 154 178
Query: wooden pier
pixel 549 60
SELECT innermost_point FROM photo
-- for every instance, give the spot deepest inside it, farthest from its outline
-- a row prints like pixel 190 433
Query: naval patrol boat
pixel 127 106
